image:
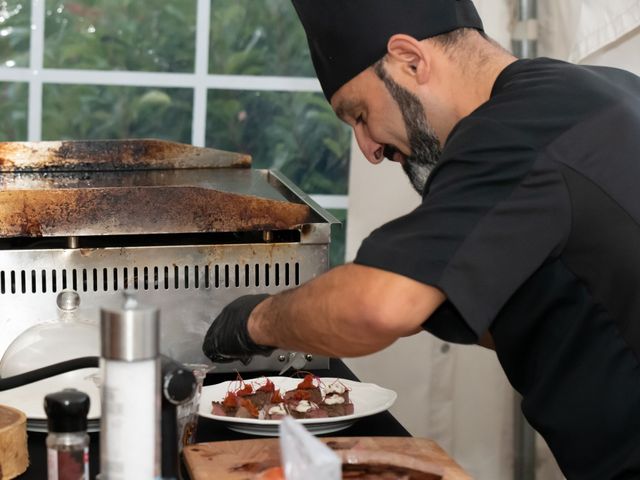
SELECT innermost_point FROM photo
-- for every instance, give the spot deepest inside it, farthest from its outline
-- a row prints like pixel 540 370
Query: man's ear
pixel 409 56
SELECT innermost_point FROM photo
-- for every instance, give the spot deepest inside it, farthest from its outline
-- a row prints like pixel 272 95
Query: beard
pixel 424 144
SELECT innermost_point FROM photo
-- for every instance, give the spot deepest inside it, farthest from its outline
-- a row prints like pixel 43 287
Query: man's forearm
pixel 349 311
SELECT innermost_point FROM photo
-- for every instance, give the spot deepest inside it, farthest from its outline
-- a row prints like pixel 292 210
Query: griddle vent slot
pixel 152 277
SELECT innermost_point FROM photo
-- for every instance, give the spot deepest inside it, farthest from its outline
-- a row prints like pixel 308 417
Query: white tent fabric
pixel 601 23
pixel 577 29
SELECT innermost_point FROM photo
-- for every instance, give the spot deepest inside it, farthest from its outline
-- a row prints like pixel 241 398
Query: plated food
pixel 367 399
pixel 311 398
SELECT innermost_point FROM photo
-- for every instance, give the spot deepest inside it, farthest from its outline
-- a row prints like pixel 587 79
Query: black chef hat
pixel 347 36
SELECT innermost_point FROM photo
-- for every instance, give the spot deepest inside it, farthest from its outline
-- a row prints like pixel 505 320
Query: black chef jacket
pixel 530 224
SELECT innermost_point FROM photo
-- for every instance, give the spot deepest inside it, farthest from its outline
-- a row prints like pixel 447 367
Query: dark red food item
pixel 268 387
pixel 247 409
pixel 338 409
pixel 71 465
pixel 260 399
pixel 274 416
pixel 307 382
pixel 298 395
pixel 247 389
pixel 228 407
pixel 276 397
pixel 312 394
pixel 314 412
pixel 231 400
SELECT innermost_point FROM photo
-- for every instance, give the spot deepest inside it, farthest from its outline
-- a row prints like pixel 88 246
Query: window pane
pixel 13 111
pixel 338 239
pixel 296 133
pixel 149 35
pixel 94 112
pixel 258 38
pixel 15 20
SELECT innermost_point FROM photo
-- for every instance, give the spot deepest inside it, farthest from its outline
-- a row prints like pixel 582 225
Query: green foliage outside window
pixel 264 37
pixel 13 111
pixel 15 21
pixel 296 133
pixel 98 112
pixel 149 35
pixel 338 239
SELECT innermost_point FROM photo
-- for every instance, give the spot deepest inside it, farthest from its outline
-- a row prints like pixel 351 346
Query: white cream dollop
pixel 304 406
pixel 277 410
pixel 333 400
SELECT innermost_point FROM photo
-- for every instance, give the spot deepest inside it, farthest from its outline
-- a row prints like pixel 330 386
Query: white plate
pixel 367 398
pixel 30 398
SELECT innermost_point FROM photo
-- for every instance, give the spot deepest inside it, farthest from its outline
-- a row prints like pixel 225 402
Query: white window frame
pixel 200 81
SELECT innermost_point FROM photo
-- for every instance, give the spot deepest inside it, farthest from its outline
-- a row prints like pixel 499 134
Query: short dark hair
pixel 446 41
pixel 452 38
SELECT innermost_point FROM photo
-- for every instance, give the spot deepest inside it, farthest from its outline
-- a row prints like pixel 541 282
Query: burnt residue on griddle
pixel 122 211
pixel 8 151
pixel 115 155
pixel 121 154
pixel 31 229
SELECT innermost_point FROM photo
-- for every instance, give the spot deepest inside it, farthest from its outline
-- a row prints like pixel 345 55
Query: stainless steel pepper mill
pixel 130 364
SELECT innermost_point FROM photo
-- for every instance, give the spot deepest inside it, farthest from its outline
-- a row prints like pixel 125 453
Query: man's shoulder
pixel 535 101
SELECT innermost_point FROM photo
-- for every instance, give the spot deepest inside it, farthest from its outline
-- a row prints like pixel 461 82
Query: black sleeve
pixel 493 212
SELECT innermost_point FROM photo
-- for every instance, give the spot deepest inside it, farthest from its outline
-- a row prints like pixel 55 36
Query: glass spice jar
pixel 68 441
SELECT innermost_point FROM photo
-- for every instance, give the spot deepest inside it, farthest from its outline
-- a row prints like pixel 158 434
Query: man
pixel 528 235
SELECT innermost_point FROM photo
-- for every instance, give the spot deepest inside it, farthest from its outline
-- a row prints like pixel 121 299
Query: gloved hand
pixel 227 339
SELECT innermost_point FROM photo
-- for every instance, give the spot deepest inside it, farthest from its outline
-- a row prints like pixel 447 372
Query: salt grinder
pixel 130 427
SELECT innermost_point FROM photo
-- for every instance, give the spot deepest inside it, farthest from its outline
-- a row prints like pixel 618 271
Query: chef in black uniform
pixel 527 239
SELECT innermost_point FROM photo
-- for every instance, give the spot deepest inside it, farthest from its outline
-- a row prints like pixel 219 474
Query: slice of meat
pixel 268 386
pixel 335 406
pixel 336 388
pixel 275 411
pixel 259 399
pixel 307 389
pixel 228 407
pixel 305 409
pixel 218 409
pixel 312 394
pixel 246 409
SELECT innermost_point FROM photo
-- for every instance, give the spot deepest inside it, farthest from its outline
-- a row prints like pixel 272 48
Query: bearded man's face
pixel 425 146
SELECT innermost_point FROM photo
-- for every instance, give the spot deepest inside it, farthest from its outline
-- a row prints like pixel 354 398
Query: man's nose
pixel 371 149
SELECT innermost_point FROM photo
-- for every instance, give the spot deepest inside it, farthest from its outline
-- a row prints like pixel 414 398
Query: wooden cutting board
pixel 14 456
pixel 246 459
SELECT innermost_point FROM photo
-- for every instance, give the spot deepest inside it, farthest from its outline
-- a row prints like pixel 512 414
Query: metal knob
pixel 68 300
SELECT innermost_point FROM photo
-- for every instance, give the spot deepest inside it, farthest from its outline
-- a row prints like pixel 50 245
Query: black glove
pixel 227 339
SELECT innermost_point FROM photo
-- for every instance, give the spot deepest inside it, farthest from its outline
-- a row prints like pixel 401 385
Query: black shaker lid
pixel 67 411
